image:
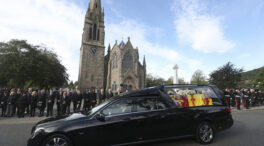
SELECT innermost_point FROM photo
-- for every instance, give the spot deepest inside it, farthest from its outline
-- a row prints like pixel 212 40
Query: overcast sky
pixel 195 34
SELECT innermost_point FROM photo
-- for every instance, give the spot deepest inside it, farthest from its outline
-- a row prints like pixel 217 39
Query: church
pixel 118 68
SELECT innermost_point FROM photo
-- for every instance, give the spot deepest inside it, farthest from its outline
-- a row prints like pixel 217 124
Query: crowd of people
pixel 246 97
pixel 18 102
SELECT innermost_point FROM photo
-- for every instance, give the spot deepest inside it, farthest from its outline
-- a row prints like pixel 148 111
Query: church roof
pixel 121 45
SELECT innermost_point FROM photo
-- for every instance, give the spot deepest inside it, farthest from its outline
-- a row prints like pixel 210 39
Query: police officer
pixel 50 103
pixel 109 94
pixel 227 97
pixel 92 97
pixel 261 96
pixel 101 96
pixel 246 98
pixel 252 97
pixel 233 100
pixel 238 99
pixel 33 103
pixel 42 102
pixel 4 103
pixel 21 103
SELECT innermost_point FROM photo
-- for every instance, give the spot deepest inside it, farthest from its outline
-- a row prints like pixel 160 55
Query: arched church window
pixel 127 61
pixel 98 34
pixel 90 33
pixel 115 61
pixel 92 78
pixel 94 31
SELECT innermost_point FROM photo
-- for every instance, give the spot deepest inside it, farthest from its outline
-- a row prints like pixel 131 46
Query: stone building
pixel 119 68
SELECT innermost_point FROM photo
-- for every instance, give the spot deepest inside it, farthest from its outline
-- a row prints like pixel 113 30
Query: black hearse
pixel 152 114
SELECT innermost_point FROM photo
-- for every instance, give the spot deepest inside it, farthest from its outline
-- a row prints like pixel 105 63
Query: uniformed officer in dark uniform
pixel 4 103
pixel 227 97
pixel 33 103
pixel 42 103
pixel 21 103
pixel 246 98
pixel 252 97
pixel 261 97
pixel 238 99
pixel 233 100
pixel 50 103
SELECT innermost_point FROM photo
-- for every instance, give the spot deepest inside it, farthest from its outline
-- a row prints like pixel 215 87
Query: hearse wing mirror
pixel 100 117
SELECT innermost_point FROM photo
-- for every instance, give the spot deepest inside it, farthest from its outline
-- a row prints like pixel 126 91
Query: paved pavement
pixel 248 130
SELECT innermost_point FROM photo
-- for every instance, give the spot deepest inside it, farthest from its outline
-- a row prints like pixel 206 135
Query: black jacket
pixel 65 99
pixel 4 99
pixel 51 98
pixel 101 97
pixel 92 97
pixel 33 101
pixel 11 99
pixel 42 98
pixel 22 101
pixel 109 95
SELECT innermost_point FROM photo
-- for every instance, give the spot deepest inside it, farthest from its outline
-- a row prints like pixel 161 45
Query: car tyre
pixel 57 140
pixel 205 133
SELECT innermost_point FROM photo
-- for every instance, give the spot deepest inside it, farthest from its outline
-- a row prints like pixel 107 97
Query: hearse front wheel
pixel 57 140
pixel 205 133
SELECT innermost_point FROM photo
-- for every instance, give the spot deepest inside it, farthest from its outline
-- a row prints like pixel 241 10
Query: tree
pixel 226 76
pixel 181 81
pixel 26 65
pixel 154 81
pixel 198 77
pixel 170 80
pixel 260 79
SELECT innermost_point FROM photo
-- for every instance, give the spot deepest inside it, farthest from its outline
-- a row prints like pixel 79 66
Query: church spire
pixel 95 5
pixel 109 48
pixel 144 61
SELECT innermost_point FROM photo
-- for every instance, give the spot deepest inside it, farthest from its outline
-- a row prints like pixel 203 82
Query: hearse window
pixel 119 107
pixel 148 104
pixel 193 96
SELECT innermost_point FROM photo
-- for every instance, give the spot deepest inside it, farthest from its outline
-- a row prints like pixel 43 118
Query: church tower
pixel 91 67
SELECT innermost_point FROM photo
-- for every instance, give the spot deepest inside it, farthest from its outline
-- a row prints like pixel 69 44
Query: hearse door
pixel 151 118
pixel 180 121
pixel 118 127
